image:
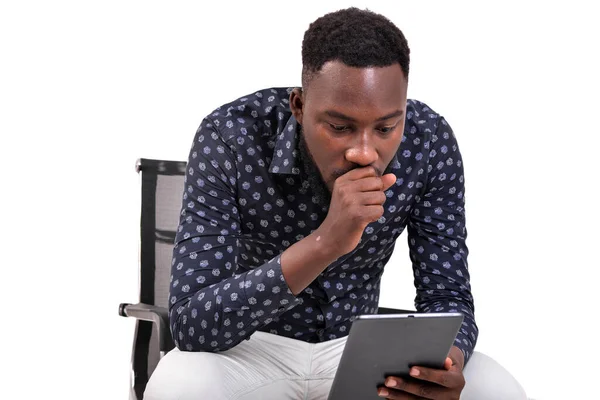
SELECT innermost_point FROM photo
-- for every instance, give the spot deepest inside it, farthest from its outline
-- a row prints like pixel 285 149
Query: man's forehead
pixel 337 71
pixel 340 84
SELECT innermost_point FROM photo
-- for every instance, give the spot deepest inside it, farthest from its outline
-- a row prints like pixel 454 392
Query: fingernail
pixel 383 392
pixel 414 372
pixel 391 383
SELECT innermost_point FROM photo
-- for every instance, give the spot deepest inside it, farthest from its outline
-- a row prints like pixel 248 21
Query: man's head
pixel 353 99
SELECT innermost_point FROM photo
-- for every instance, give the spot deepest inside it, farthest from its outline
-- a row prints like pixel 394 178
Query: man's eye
pixel 338 128
pixel 386 129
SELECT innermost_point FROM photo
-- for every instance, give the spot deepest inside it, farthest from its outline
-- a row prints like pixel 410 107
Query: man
pixel 293 201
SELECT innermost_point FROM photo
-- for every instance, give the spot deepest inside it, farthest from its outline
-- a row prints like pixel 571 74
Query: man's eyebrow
pixel 338 115
pixel 397 113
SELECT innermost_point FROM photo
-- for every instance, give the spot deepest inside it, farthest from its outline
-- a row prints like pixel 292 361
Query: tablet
pixel 385 345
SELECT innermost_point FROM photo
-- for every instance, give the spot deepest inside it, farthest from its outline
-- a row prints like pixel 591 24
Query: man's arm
pixel 437 239
pixel 213 304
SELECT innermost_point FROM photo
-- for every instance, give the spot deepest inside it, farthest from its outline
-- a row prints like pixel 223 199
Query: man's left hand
pixel 429 383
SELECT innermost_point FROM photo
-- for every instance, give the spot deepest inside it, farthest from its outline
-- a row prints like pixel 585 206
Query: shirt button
pixel 281 308
pixel 320 332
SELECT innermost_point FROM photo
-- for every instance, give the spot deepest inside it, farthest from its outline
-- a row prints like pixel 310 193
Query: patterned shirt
pixel 246 200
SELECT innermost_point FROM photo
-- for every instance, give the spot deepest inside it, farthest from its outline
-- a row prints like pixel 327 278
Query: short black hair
pixel 358 38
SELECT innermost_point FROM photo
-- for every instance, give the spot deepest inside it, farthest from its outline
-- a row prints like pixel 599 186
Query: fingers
pixel 394 394
pixel 366 172
pixel 426 383
pixel 360 173
pixel 388 181
pixel 370 198
pixel 398 388
pixel 373 183
pixel 419 389
pixel 373 213
pixel 366 179
pixel 445 378
pixel 363 187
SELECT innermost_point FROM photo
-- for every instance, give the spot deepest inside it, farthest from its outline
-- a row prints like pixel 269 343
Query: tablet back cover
pixel 379 346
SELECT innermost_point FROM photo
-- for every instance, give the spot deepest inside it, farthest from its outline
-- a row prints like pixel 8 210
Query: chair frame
pixel 146 312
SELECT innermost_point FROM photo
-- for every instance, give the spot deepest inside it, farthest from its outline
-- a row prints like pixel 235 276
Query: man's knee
pixel 486 379
pixel 187 376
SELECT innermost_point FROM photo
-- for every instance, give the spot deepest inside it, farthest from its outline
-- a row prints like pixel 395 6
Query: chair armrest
pixel 158 315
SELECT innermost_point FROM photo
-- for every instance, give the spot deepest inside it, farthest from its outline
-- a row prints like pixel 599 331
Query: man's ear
pixel 297 104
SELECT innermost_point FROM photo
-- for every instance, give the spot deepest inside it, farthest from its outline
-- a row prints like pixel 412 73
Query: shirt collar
pixel 286 156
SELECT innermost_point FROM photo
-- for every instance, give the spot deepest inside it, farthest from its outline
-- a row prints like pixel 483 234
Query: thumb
pixel 448 363
pixel 388 181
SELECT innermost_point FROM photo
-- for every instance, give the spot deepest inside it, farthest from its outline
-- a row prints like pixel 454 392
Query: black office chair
pixel 162 190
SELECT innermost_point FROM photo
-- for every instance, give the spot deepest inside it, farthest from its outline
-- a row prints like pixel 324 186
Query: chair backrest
pixel 162 189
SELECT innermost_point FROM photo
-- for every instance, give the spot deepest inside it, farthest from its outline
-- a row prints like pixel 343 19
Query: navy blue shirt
pixel 246 200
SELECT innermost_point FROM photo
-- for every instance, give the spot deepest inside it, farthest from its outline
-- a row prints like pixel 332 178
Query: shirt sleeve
pixel 214 305
pixel 437 238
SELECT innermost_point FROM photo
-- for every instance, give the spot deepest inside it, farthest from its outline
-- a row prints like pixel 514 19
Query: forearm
pixel 466 337
pixel 219 316
pixel 306 259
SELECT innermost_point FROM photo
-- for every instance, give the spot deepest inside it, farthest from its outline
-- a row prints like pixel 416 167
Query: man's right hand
pixel 357 200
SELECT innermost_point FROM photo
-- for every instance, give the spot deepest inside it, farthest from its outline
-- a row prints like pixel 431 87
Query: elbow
pixel 213 345
pixel 191 333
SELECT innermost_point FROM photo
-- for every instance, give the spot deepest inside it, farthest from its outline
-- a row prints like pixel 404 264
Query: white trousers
pixel 274 367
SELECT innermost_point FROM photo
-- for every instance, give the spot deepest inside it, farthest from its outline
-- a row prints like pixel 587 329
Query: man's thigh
pixel 266 366
pixel 325 359
pixel 486 379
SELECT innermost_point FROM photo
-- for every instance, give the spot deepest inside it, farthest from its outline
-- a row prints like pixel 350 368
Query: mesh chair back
pixel 162 189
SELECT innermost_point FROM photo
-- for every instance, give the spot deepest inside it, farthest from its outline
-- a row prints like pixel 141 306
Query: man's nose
pixel 362 150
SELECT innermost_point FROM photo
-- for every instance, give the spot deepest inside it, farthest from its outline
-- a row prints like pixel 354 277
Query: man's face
pixel 351 117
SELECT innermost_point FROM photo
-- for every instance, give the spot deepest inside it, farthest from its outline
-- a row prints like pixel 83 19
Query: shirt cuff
pixel 266 285
pixel 464 343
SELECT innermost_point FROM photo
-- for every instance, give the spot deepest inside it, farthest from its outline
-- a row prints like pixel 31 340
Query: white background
pixel 88 87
